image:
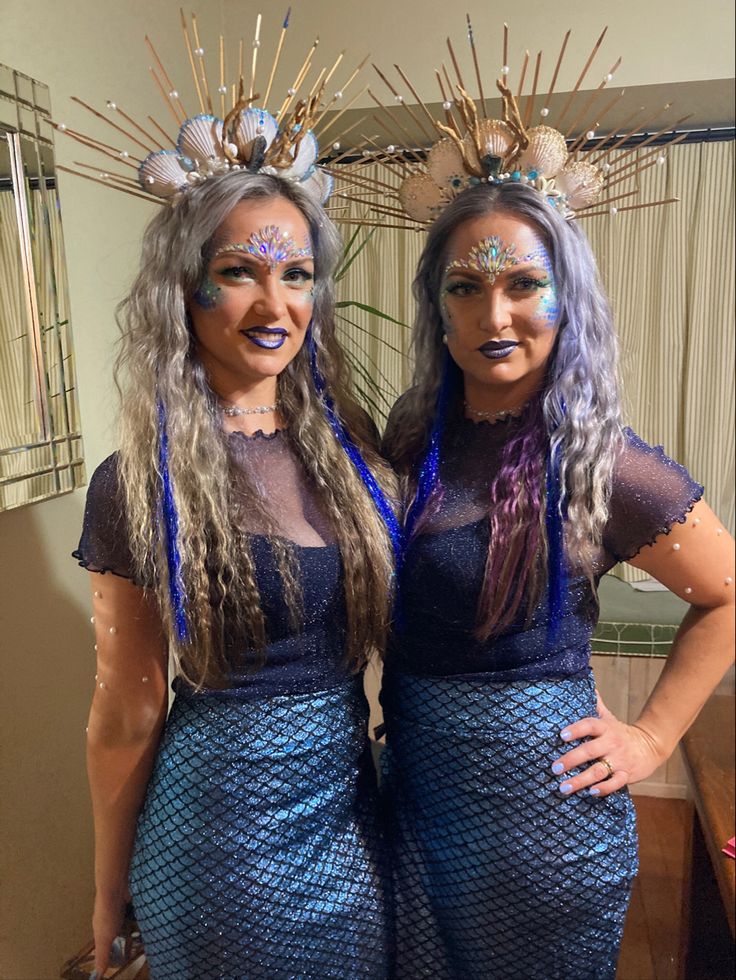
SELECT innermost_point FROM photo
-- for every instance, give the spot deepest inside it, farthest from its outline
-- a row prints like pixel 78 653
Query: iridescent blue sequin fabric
pixel 257 854
pixel 498 875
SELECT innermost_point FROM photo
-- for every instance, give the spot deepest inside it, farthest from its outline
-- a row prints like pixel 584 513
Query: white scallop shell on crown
pixel 254 123
pixel 421 198
pixel 305 159
pixel 581 183
pixel 546 152
pixel 200 139
pixel 445 166
pixel 495 139
pixel 161 173
pixel 318 184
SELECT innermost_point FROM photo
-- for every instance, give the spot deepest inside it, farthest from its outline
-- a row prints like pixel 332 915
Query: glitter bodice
pixel 297 660
pixel 443 571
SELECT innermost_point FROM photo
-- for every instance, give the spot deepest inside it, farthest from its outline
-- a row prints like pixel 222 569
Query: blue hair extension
pixel 378 496
pixel 429 471
pixel 170 520
pixel 557 568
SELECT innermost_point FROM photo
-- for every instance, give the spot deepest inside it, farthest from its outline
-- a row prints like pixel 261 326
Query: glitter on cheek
pixel 445 311
pixel 208 294
pixel 549 308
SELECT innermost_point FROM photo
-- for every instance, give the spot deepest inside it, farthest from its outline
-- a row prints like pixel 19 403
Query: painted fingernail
pixel 557 768
pixel 566 735
pixel 566 787
pixel 594 791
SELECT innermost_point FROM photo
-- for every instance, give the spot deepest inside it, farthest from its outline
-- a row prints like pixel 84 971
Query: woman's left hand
pixel 613 755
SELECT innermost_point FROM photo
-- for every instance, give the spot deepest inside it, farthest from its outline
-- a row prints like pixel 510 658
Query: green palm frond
pixel 378 378
pixel 344 304
pixel 374 336
pixel 351 253
pixel 374 389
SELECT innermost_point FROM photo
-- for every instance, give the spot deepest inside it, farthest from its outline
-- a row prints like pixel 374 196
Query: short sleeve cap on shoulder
pixel 650 492
pixel 104 544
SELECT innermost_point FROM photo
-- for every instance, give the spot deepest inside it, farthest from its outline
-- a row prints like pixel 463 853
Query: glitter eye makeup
pixel 270 245
pixel 490 257
pixel 549 307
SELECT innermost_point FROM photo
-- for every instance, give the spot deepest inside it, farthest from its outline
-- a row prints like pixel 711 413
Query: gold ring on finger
pixel 609 766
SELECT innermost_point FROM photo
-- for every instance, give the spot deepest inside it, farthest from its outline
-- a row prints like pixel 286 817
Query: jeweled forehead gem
pixel 491 257
pixel 271 245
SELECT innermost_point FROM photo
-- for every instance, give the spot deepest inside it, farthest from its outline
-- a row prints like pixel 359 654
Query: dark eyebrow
pixel 509 271
pixel 240 250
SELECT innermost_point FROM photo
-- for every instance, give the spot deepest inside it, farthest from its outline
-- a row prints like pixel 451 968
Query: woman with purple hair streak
pixel 514 834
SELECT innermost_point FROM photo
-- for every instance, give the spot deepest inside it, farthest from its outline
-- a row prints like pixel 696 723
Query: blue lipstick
pixel 496 349
pixel 268 338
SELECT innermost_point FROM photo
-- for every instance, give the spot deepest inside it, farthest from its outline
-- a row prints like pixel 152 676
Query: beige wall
pixel 95 50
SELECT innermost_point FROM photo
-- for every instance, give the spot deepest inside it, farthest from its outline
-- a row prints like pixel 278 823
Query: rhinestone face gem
pixel 271 245
pixel 490 257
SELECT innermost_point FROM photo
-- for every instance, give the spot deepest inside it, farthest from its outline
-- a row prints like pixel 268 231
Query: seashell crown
pixel 570 165
pixel 244 136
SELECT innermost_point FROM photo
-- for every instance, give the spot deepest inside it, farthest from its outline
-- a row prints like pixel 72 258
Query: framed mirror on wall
pixel 41 454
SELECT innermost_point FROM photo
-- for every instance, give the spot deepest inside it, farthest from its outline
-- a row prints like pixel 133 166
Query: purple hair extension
pixel 556 512
pixel 528 481
pixel 515 504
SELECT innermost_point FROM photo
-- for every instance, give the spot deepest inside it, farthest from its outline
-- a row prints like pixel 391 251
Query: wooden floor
pixel 651 941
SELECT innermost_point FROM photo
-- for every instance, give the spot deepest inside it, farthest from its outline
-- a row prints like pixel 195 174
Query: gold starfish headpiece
pixel 569 163
pixel 244 136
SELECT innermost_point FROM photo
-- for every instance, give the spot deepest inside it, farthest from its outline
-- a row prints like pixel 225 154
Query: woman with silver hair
pixel 242 521
pixel 514 834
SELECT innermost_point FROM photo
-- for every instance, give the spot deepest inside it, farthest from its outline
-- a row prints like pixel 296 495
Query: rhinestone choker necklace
pixel 234 410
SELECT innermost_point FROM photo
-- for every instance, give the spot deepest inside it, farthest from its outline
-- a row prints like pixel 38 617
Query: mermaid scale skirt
pixel 257 853
pixel 498 875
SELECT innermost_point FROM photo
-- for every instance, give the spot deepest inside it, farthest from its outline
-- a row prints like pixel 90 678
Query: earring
pixel 444 339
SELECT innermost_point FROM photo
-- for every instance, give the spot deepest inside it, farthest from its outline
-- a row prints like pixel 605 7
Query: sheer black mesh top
pixel 443 570
pixel 304 659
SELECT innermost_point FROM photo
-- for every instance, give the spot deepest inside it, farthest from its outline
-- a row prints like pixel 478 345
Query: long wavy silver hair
pixel 580 404
pixel 157 367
